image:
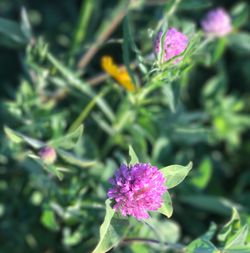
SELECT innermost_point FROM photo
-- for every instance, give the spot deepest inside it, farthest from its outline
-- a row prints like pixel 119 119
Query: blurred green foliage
pixel 196 111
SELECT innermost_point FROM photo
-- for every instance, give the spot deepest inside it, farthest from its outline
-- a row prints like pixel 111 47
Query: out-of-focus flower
pixel 174 43
pixel 137 189
pixel 217 23
pixel 48 155
pixel 120 74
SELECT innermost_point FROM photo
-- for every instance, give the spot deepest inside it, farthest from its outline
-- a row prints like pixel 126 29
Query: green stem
pixel 86 110
pixel 87 8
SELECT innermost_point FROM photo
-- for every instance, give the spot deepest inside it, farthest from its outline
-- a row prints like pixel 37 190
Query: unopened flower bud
pixel 48 155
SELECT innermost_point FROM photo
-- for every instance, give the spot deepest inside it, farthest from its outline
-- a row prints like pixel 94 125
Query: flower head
pixel 48 154
pixel 137 189
pixel 120 74
pixel 174 43
pixel 217 22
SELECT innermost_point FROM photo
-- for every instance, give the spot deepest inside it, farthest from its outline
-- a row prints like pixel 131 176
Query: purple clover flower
pixel 174 44
pixel 217 23
pixel 137 189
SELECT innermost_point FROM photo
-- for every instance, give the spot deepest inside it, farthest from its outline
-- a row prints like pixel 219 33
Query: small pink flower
pixel 217 23
pixel 48 154
pixel 137 189
pixel 174 44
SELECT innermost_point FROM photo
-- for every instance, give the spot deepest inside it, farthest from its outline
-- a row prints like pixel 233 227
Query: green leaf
pixel 240 41
pixel 127 41
pixel 239 239
pixel 194 4
pixel 87 109
pixel 12 135
pixel 214 87
pixel 239 249
pixel 210 233
pixel 230 228
pixel 77 83
pixel 19 138
pixel 133 157
pixel 169 93
pixel 139 248
pixel 175 174
pixel 73 238
pixel 201 246
pixel 53 170
pixel 212 204
pixel 70 158
pixel 69 140
pixel 220 46
pixel 166 208
pixel 164 230
pixel 48 219
pixel 111 231
pixel 87 8
pixel 25 24
pixel 240 13
pixel 203 174
pixel 11 34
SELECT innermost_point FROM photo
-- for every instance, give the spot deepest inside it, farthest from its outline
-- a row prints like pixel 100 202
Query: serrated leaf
pixel 175 174
pixel 111 230
pixel 166 208
pixel 133 157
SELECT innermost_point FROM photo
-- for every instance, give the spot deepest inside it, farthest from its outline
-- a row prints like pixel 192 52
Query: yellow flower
pixel 120 74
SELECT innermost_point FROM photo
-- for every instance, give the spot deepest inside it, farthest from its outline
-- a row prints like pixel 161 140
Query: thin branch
pixel 101 39
pixel 97 79
pixel 103 76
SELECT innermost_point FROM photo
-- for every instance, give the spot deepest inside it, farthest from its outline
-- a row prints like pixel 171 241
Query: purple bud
pixel 217 23
pixel 48 155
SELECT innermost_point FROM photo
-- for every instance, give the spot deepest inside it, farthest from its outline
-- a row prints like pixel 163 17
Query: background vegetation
pixel 52 84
